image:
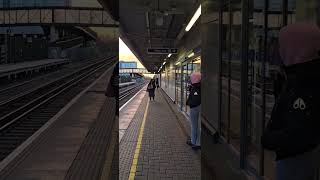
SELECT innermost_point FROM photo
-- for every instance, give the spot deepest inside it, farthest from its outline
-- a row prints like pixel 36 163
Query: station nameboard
pixel 162 50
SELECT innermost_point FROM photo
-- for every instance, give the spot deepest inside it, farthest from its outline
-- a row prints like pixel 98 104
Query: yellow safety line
pixel 138 146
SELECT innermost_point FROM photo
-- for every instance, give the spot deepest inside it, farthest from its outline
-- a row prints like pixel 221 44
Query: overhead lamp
pixel 194 18
pixel 164 63
pixel 169 55
pixel 190 55
pixel 160 68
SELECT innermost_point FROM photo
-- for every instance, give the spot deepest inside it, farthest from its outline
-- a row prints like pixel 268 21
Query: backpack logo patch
pixel 299 104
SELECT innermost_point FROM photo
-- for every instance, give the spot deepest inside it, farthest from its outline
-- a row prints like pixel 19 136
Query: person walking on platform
pixel 293 130
pixel 151 89
pixel 194 102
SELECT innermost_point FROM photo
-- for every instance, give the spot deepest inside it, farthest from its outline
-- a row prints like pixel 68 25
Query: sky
pixel 125 54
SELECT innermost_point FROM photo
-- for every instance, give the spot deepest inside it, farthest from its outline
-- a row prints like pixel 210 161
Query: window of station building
pixel 178 84
pixel 263 63
pixel 183 72
pixel 235 75
pixel 230 73
pixel 303 11
pixel 184 86
pixel 193 65
pixel 225 72
pixel 187 70
pixel 256 62
pixel 196 64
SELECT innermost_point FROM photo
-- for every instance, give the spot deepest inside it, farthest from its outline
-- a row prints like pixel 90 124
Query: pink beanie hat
pixel 299 43
pixel 195 77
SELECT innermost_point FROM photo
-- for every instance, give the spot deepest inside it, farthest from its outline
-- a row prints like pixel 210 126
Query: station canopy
pixel 153 24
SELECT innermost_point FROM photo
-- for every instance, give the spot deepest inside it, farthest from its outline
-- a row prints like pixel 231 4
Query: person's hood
pixel 196 84
pixel 304 74
pixel 299 43
pixel 195 77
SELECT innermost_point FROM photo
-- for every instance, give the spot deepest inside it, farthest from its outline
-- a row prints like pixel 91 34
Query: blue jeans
pixel 301 167
pixel 194 118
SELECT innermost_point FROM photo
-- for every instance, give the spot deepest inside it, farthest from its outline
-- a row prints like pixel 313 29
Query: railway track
pixel 24 115
pixel 126 93
pixel 16 101
pixel 11 91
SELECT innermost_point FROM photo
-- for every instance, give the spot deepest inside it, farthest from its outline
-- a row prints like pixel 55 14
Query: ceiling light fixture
pixel 169 55
pixel 194 18
pixel 190 55
pixel 160 68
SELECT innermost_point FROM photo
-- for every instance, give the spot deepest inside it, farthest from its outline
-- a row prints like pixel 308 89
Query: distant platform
pixel 126 84
pixel 12 69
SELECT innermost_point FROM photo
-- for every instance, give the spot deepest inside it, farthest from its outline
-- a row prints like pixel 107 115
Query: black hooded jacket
pixel 294 127
pixel 194 98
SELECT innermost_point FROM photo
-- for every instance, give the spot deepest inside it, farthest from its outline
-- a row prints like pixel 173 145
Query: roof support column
pixel 53 34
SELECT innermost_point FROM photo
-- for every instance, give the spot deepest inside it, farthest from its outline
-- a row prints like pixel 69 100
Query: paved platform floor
pixel 128 111
pixel 154 145
pixel 73 147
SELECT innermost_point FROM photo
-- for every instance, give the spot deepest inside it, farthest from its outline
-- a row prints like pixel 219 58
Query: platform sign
pixel 162 50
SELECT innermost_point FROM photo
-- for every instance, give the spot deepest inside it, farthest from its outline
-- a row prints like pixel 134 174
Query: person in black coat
pixel 194 102
pixel 151 89
pixel 293 130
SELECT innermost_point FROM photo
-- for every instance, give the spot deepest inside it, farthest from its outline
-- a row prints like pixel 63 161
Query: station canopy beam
pixel 59 16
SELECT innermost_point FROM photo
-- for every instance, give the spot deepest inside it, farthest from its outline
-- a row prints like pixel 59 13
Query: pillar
pixel 53 34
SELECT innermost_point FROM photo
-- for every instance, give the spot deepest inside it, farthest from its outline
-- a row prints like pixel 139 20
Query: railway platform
pixel 77 143
pixel 9 70
pixel 153 138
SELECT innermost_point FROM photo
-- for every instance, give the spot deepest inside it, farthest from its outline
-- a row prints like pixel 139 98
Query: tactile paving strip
pixel 129 140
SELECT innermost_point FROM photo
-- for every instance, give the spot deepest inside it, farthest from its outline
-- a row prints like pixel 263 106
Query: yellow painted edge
pixel 138 146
